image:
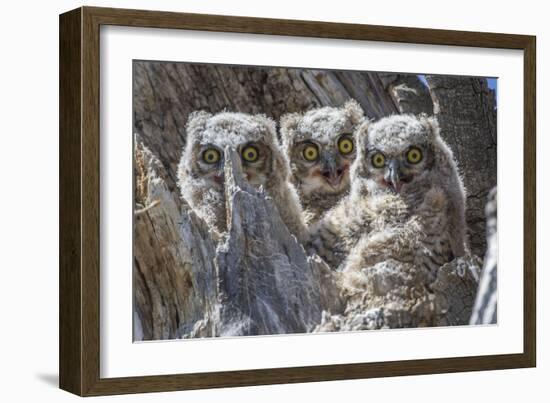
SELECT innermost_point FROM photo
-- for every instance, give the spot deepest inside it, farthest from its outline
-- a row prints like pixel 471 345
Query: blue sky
pixel 491 82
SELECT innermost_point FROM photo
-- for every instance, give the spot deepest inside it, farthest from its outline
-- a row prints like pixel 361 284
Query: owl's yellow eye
pixel 345 145
pixel 211 156
pixel 310 152
pixel 414 155
pixel 250 154
pixel 378 160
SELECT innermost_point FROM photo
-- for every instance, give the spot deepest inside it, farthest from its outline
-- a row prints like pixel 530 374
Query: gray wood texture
pixel 486 306
pixel 258 280
pixel 466 111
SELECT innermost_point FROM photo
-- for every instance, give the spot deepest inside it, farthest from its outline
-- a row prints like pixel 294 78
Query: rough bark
pixel 268 284
pixel 466 112
pixel 174 272
pixel 485 309
pixel 409 94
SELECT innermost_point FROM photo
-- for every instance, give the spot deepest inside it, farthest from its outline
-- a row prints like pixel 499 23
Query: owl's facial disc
pixel 396 167
pixel 322 168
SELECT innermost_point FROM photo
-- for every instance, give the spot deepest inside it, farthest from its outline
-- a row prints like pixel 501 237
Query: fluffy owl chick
pixel 201 168
pixel 321 147
pixel 405 192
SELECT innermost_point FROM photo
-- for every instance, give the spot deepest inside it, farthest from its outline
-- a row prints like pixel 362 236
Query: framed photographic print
pixel 250 201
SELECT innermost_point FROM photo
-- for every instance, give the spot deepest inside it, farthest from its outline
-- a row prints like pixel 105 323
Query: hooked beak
pixel 393 177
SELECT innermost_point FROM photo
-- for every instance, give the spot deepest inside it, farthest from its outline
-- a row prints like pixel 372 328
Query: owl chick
pixel 407 200
pixel 321 147
pixel 201 168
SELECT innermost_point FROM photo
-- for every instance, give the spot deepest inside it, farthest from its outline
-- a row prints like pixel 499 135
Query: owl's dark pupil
pixel 378 160
pixel 414 156
pixel 250 154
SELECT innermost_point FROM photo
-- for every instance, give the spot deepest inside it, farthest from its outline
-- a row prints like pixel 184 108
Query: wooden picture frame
pixel 80 184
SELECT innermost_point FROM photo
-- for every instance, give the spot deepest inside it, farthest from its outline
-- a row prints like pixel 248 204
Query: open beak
pixel 333 178
pixel 394 177
pixel 330 172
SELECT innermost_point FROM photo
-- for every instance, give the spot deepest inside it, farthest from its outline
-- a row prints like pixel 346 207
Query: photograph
pixel 275 200
pixel 241 201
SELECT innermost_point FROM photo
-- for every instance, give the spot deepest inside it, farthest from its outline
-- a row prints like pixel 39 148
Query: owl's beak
pixel 393 176
pixel 330 172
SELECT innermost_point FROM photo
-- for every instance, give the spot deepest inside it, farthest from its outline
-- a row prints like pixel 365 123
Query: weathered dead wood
pixel 174 272
pixel 267 283
pixel 257 280
pixel 466 111
pixel 408 92
pixel 455 290
pixel 485 309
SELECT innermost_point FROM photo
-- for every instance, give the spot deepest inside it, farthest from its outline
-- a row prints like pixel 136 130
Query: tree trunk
pixel 268 285
pixel 466 111
pixel 485 309
pixel 174 278
pixel 408 93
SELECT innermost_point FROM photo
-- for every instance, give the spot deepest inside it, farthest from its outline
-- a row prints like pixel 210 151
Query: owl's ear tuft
pixel 289 124
pixel 196 122
pixel 290 121
pixel 430 123
pixel 361 134
pixel 268 124
pixel 354 112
